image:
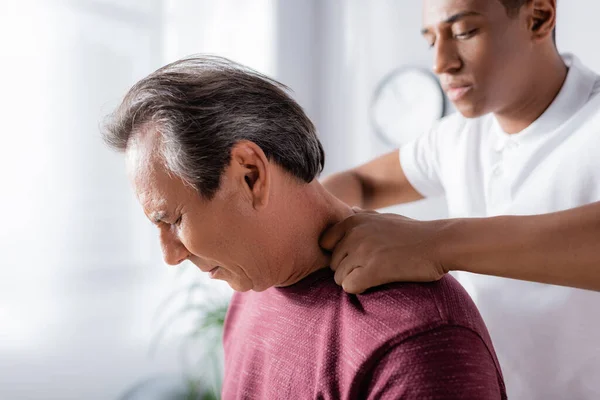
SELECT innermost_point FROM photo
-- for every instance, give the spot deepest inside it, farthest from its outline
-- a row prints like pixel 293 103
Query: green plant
pixel 201 351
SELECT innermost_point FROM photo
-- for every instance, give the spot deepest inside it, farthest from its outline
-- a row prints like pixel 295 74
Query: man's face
pixel 219 236
pixel 480 53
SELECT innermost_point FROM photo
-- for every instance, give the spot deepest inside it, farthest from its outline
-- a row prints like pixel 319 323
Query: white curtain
pixel 79 276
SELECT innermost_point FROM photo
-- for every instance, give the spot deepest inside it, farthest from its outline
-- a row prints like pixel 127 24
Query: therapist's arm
pixel 378 183
pixel 561 248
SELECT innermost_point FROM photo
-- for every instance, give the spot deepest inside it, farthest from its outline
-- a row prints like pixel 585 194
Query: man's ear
pixel 542 18
pixel 250 168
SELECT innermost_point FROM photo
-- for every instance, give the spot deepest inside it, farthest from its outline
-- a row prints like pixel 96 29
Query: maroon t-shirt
pixel 399 341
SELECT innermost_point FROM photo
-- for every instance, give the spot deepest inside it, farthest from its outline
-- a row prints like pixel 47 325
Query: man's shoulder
pixel 403 310
pixel 379 317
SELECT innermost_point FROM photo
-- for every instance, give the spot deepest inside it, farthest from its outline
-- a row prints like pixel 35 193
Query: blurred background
pixel 84 293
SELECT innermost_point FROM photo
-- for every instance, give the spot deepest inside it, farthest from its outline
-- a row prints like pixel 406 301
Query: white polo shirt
pixel 547 337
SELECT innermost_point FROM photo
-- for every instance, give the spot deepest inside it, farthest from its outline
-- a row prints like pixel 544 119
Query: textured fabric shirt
pixel 546 337
pixel 399 341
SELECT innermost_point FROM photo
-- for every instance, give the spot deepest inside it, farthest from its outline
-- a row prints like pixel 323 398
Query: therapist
pixel 526 141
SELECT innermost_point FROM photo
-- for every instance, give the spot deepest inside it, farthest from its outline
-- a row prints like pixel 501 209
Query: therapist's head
pixel 486 51
pixel 214 151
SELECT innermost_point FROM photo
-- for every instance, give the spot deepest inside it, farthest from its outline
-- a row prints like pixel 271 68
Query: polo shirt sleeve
pixel 420 162
pixel 450 362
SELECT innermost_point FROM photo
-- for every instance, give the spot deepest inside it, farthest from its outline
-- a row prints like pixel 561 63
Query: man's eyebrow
pixel 157 217
pixel 453 18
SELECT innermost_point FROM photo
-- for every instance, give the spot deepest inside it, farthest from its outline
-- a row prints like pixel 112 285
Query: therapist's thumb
pixel 358 210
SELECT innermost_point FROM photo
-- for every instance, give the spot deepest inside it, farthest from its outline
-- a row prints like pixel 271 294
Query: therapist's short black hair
pixel 512 9
pixel 513 6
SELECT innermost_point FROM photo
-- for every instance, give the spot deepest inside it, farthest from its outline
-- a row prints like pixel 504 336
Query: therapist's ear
pixel 542 19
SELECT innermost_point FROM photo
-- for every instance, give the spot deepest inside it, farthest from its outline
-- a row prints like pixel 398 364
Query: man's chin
pixel 243 287
pixel 239 290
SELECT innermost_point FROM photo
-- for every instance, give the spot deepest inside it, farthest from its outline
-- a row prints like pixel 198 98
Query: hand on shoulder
pixel 370 249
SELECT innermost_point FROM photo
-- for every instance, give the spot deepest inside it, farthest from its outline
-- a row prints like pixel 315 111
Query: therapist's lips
pixel 457 92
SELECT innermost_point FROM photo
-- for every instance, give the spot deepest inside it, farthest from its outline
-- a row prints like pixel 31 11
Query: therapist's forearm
pixel 346 186
pixel 561 248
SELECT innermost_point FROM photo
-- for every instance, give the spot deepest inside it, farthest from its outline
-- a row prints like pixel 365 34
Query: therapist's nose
pixel 446 58
pixel 174 252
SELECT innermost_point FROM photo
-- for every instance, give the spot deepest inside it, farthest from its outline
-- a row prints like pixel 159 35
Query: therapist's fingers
pixel 343 270
pixel 358 280
pixel 331 237
pixel 340 252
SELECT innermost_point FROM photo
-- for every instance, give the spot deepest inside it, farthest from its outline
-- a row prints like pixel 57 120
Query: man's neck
pixel 317 210
pixel 541 90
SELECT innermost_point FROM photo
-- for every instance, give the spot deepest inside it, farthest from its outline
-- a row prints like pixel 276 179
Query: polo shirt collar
pixel 573 95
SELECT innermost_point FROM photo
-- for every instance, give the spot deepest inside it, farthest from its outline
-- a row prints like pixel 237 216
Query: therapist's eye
pixel 178 220
pixel 466 35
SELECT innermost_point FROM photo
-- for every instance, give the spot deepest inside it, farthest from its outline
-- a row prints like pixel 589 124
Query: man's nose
pixel 446 58
pixel 174 252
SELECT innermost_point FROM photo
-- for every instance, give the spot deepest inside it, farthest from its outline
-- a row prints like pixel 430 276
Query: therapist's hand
pixel 371 249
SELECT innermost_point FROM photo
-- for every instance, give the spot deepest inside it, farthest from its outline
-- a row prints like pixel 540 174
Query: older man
pixel 224 162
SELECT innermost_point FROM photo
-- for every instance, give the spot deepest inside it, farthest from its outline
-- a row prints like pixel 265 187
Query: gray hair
pixel 202 106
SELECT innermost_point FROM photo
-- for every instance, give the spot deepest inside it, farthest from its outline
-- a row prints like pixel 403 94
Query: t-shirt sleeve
pixel 420 162
pixel 446 363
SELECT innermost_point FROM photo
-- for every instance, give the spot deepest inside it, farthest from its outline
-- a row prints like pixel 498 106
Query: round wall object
pixel 405 104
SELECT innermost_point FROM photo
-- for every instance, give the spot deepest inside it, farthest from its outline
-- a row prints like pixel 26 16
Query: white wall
pixel 578 30
pixel 359 43
pixel 240 30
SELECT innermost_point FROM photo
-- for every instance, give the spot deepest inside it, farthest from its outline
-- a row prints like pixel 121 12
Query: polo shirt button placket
pixel 498 171
pixel 500 189
pixel 512 145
